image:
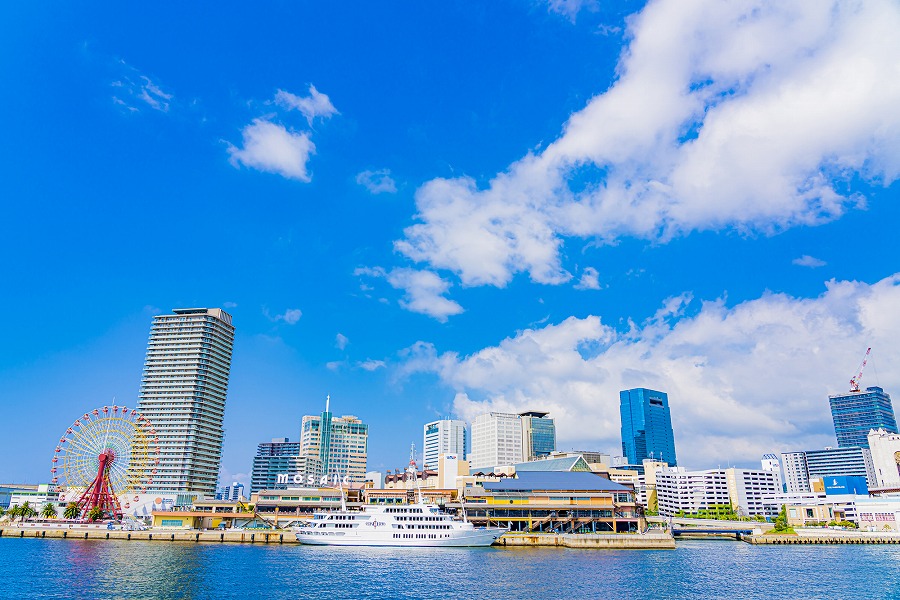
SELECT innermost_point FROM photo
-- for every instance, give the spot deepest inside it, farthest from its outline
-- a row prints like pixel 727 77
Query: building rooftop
pixel 556 480
pixel 566 463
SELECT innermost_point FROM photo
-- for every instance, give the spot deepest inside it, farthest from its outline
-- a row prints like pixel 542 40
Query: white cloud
pixel 315 105
pixel 570 8
pixel 291 316
pixel 135 91
pixel 335 365
pixel 590 279
pixel 341 341
pixel 808 261
pixel 377 182
pixel 371 365
pixel 741 381
pixel 745 115
pixel 424 290
pixel 230 304
pixel 273 148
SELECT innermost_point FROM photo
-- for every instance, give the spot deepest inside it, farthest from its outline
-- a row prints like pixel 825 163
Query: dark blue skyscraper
pixel 646 426
pixel 855 413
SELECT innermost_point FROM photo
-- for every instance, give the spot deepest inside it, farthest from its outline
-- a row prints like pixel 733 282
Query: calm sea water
pixel 34 568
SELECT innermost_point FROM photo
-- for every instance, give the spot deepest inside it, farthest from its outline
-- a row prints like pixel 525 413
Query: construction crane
pixel 854 381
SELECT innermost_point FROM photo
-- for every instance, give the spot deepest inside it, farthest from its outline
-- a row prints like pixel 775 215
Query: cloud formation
pixel 590 279
pixel 134 91
pixel 341 341
pixel 742 381
pixel 424 291
pixel 273 148
pixel 377 182
pixel 747 115
pixel 808 261
pixel 291 316
pixel 315 105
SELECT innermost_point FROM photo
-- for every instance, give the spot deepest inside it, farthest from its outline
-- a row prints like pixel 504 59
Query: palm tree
pixel 95 514
pixel 71 511
pixel 26 511
pixel 13 512
pixel 49 511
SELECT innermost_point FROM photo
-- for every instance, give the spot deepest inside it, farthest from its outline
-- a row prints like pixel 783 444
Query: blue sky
pixel 428 209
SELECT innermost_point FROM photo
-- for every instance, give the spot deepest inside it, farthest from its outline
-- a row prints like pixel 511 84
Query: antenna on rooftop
pixel 327 402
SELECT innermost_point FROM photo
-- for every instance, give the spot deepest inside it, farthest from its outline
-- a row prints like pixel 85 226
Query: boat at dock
pixel 417 524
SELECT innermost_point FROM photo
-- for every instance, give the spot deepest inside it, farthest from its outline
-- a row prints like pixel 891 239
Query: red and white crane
pixel 854 381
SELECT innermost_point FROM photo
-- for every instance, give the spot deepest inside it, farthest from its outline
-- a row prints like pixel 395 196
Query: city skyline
pixel 421 227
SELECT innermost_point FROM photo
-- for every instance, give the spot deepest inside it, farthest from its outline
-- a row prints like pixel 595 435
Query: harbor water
pixel 45 568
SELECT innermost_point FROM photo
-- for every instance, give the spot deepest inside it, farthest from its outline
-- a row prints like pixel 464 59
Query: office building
pixel 857 413
pixel 233 492
pixel 646 426
pixel 538 435
pixel 339 444
pixel 183 391
pixel 445 436
pixel 496 440
pixel 281 457
pixel 885 449
pixel 800 468
pixel 836 462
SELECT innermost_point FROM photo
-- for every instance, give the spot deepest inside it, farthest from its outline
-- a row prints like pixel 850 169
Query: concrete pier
pixel 824 538
pixel 158 535
pixel 611 541
pixel 586 540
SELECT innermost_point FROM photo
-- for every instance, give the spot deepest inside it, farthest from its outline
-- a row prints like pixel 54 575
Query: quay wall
pixel 585 540
pixel 161 535
pixel 822 538
pixel 648 541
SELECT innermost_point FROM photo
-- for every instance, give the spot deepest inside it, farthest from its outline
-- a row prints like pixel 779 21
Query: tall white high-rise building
pixel 446 436
pixel 496 440
pixel 183 391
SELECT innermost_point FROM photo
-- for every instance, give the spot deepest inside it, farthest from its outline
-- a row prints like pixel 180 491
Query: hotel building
pixel 183 391
pixel 446 436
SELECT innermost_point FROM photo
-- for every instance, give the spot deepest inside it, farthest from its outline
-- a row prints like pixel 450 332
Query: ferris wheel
pixel 109 453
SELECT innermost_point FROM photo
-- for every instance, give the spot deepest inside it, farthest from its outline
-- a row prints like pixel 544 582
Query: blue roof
pixel 556 480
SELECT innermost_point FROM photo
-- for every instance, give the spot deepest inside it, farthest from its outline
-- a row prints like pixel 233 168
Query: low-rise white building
pixel 745 490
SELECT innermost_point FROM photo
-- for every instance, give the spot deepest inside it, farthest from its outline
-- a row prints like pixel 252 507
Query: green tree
pixel 49 511
pixel 26 511
pixel 71 511
pixel 95 514
pixel 781 522
pixel 13 512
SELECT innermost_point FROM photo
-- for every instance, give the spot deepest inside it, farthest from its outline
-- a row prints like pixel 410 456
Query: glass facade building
pixel 646 426
pixel 856 413
pixel 538 435
pixel 446 436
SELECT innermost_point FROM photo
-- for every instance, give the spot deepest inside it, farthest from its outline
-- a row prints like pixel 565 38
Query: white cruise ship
pixel 408 525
